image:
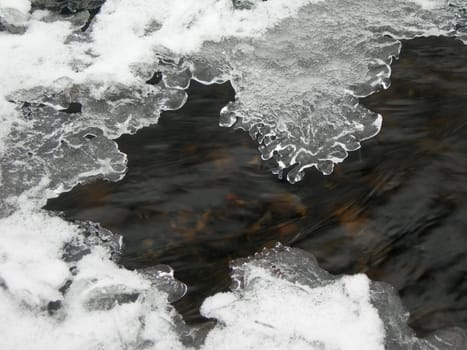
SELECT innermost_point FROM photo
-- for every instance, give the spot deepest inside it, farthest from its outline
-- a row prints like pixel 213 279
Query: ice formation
pixel 72 82
pixel 282 299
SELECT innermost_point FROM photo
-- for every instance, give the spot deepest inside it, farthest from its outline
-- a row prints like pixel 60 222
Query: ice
pixel 60 284
pixel 48 301
pixel 283 315
pixel 122 327
pixel 162 276
pixel 72 83
pixel 92 235
pixel 50 67
pixel 303 107
pixel 282 299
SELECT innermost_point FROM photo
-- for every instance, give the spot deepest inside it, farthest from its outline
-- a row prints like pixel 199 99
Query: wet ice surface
pixel 67 92
pixel 303 108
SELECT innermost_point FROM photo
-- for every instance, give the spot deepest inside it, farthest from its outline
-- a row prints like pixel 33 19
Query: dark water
pixel 197 196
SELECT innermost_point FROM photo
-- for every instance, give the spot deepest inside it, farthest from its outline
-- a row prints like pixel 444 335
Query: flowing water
pixel 196 195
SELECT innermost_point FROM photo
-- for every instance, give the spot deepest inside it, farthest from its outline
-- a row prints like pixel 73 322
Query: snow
pixel 24 6
pixel 279 314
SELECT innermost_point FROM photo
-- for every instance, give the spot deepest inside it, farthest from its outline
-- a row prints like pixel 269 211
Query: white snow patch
pixel 31 273
pixel 23 6
pixel 272 313
pixel 30 252
pixel 429 4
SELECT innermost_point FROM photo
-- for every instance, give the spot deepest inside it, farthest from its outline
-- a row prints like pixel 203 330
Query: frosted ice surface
pixel 68 147
pixel 46 138
pixel 302 107
pixel 297 86
pixel 298 67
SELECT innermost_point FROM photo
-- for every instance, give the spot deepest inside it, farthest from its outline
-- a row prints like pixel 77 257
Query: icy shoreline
pixel 52 297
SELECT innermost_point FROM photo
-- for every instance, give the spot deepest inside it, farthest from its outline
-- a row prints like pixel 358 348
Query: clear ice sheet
pixel 297 86
pixel 67 93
